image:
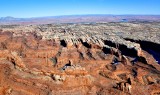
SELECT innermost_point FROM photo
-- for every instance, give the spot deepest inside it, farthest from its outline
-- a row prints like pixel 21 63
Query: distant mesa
pixel 79 19
pixel 7 18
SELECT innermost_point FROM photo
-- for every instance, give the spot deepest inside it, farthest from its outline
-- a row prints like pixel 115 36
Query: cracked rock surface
pixel 80 59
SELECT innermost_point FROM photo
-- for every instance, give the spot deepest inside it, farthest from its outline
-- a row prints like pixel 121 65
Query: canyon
pixel 112 58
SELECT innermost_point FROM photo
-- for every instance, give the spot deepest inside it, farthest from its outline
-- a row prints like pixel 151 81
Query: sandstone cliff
pixel 80 59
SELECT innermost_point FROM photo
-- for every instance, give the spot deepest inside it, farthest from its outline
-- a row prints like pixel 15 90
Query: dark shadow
pixel 106 50
pixel 142 59
pixel 150 47
pixel 109 43
pixel 85 44
pixel 124 50
pixel 63 43
pixel 129 81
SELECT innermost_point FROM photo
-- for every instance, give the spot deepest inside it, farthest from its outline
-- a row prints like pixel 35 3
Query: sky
pixel 41 8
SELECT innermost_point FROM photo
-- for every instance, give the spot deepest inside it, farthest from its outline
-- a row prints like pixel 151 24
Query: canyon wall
pixel 80 59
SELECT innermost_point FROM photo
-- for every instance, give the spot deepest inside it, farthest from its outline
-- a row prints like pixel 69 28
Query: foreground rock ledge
pixel 80 59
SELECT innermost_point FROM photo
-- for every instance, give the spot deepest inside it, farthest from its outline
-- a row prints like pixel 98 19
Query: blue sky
pixel 40 8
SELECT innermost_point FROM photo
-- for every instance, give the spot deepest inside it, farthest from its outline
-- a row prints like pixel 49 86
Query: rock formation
pixel 80 59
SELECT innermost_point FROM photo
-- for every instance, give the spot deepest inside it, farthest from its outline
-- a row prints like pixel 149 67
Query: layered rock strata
pixel 80 59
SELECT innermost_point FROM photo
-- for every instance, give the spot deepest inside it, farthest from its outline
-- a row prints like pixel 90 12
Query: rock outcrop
pixel 81 59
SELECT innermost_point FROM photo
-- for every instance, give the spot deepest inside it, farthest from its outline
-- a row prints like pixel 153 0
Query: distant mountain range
pixel 78 19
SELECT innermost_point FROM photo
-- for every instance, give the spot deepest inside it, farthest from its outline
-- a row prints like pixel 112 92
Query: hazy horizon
pixel 43 8
pixel 87 15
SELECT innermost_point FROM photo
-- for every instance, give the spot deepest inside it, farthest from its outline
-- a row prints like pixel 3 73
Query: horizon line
pixel 86 15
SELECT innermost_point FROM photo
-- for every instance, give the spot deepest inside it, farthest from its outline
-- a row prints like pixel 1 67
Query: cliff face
pixel 81 59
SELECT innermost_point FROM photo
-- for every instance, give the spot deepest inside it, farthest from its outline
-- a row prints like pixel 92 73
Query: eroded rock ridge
pixel 80 59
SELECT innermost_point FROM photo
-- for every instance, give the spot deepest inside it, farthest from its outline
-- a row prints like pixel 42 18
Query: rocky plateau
pixel 113 58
